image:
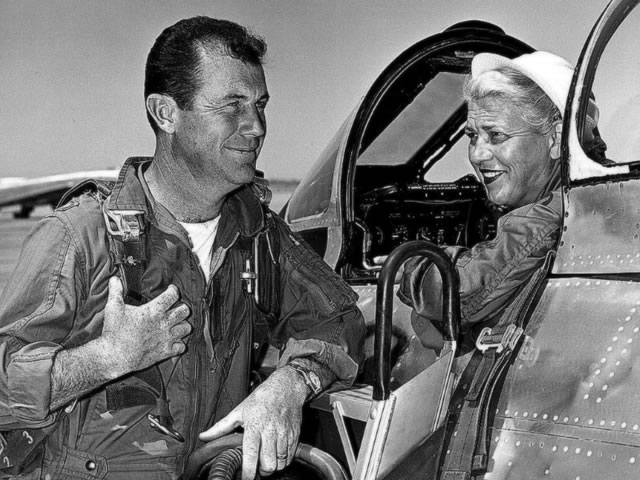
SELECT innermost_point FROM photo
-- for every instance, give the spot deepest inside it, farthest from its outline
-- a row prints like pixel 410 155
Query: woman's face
pixel 513 162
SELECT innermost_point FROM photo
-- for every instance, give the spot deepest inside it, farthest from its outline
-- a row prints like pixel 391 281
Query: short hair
pixel 174 62
pixel 528 99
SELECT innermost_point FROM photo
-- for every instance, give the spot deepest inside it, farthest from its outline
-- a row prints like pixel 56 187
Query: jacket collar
pixel 241 213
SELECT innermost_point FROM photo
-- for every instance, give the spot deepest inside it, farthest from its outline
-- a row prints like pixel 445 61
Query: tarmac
pixel 12 234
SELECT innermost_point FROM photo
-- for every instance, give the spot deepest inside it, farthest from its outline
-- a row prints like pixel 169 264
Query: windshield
pixel 404 137
pixel 617 90
pixel 614 67
pixel 313 194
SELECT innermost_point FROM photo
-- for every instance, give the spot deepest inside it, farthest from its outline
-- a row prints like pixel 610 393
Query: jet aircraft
pixel 559 398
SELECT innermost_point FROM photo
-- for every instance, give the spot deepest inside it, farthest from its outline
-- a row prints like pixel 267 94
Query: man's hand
pixel 271 418
pixel 139 337
pixel 132 339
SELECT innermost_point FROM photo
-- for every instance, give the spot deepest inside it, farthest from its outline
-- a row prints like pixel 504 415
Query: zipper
pixel 205 304
pixel 193 411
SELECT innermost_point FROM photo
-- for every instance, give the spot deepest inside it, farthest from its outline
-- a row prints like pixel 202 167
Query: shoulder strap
pixel 495 346
pixel 126 231
pixel 100 188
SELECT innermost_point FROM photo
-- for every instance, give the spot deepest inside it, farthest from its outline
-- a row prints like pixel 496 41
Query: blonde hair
pixel 527 98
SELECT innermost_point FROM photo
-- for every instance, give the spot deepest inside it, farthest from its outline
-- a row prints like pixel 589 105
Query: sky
pixel 72 71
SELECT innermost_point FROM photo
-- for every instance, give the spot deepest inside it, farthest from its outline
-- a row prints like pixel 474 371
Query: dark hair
pixel 173 63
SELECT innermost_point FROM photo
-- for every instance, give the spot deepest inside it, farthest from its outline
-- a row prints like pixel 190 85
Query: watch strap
pixel 310 378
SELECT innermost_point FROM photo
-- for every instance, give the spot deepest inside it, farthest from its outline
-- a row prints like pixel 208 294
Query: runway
pixel 12 234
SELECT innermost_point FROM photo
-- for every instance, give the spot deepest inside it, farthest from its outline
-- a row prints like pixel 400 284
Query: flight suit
pixel 55 299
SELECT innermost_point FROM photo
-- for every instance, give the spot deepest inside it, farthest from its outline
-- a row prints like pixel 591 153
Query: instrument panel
pixel 454 213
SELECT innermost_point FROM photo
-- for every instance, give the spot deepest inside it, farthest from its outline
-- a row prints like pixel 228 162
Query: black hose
pixel 221 459
pixel 225 465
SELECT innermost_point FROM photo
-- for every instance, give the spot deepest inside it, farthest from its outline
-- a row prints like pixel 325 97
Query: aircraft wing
pixel 31 192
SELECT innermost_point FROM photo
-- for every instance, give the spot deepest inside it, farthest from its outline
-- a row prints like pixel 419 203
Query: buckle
pixel 123 223
pixel 248 277
pixel 499 339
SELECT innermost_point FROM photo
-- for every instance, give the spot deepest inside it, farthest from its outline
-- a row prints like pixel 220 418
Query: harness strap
pixel 126 230
pixel 127 246
pixel 469 452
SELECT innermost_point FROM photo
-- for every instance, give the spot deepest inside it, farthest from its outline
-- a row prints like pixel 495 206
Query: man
pixel 132 389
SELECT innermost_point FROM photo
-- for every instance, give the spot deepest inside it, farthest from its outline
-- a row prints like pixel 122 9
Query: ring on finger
pixel 282 456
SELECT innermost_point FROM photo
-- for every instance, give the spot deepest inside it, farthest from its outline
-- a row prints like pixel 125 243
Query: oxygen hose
pixel 225 465
pixel 221 459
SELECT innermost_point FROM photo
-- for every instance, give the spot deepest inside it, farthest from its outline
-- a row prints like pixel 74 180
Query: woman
pixel 514 125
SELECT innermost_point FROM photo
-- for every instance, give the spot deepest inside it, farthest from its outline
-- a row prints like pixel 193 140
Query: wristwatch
pixel 311 378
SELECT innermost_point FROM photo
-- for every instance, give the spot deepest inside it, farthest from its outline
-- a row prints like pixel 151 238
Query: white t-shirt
pixel 202 236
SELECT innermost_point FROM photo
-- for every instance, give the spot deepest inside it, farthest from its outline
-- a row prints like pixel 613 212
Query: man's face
pixel 220 137
pixel 513 162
